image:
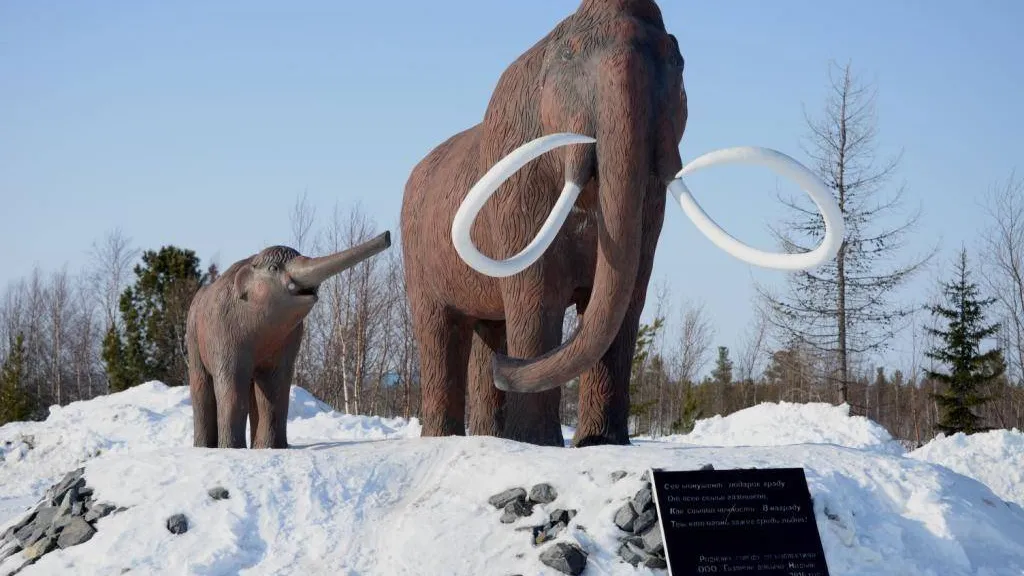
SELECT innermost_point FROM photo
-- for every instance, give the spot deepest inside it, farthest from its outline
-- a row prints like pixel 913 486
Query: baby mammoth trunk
pixel 310 272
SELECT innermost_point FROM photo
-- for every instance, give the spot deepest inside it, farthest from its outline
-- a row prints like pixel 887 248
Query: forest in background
pixel 119 320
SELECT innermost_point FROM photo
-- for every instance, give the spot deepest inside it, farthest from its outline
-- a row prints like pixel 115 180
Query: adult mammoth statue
pixel 243 333
pixel 578 225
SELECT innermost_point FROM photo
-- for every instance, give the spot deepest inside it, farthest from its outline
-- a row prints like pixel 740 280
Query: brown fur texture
pixel 610 71
pixel 244 331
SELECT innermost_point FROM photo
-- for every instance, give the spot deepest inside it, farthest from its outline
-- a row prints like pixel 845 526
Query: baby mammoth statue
pixel 244 331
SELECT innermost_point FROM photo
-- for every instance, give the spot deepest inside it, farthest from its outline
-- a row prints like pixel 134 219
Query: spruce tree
pixel 151 345
pixel 16 402
pixel 642 363
pixel 969 369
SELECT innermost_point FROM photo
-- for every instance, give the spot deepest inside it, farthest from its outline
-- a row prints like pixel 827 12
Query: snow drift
pixel 360 496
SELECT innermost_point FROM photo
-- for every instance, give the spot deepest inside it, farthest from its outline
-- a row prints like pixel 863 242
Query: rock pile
pixel 639 518
pixel 65 517
pixel 516 503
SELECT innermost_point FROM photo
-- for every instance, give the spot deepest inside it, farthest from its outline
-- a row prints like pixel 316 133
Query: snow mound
pixel 994 458
pixel 785 423
pixel 366 496
pixel 150 416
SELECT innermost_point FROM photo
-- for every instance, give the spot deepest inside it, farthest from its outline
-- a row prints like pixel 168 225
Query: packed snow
pixel 361 495
pixel 772 424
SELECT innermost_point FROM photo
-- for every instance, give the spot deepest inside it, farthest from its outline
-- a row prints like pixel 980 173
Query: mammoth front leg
pixel 532 328
pixel 604 389
pixel 486 402
pixel 272 394
pixel 232 392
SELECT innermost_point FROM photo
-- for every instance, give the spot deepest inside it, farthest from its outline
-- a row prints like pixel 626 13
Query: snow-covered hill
pixel 359 495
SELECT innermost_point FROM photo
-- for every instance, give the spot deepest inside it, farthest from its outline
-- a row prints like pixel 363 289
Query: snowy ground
pixel 360 496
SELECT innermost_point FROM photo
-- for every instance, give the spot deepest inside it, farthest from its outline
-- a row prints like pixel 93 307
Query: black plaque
pixel 738 522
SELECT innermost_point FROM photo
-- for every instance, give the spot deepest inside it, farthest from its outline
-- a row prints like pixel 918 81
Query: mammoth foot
pixel 441 425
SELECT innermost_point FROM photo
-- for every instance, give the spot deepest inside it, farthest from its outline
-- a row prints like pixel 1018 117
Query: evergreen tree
pixel 16 402
pixel 154 312
pixel 641 356
pixel 722 374
pixel 970 370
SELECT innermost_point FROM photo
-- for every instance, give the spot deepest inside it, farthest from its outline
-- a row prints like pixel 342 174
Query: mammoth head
pixel 280 276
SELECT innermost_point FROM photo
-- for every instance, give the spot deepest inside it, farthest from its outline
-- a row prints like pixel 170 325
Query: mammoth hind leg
pixel 204 405
pixel 486 402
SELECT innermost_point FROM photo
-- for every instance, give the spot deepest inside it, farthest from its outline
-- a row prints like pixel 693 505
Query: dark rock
pixel 85 493
pixel 518 508
pixel 625 518
pixel 502 499
pixel 631 553
pixel 645 521
pixel 646 476
pixel 78 508
pixel 41 547
pixel 643 501
pixel 31 532
pixel 707 467
pixel 76 532
pixel 619 475
pixel 9 533
pixel 74 478
pixel 219 493
pixel 554 530
pixel 559 515
pixel 655 563
pixel 651 540
pixel 564 557
pixel 177 524
pixel 98 510
pixel 635 540
pixel 118 510
pixel 69 500
pixel 9 549
pixel 543 493
pixel 635 555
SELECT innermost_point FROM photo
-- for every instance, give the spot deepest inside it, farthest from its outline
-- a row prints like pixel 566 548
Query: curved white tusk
pixel 489 184
pixel 786 166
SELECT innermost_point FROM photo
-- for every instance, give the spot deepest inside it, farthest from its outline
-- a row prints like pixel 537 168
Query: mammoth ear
pixel 242 278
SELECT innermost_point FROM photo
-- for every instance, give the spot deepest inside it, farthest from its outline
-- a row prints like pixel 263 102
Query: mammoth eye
pixel 566 53
pixel 273 267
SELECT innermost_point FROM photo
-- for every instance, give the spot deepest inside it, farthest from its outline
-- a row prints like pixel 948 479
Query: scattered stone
pixel 707 467
pixel 631 553
pixel 85 493
pixel 502 499
pixel 118 510
pixel 518 508
pixel 646 476
pixel 559 515
pixel 177 524
pixel 564 557
pixel 625 518
pixel 643 501
pixel 98 510
pixel 78 508
pixel 651 540
pixel 645 521
pixel 219 493
pixel 543 493
pixel 76 532
pixel 619 475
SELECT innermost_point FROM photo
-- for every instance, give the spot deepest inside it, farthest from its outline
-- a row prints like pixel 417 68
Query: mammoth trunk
pixel 623 161
pixel 310 272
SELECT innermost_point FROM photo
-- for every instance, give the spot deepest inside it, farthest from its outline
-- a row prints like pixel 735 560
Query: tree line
pixel 120 320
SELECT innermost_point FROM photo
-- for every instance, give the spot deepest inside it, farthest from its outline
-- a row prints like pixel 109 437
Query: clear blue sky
pixel 198 123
